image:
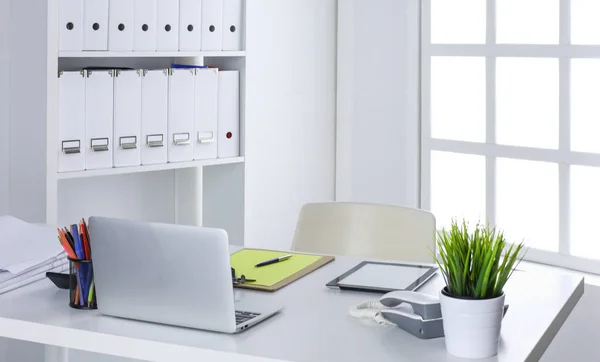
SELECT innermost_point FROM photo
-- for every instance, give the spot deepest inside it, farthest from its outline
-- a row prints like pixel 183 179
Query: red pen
pixel 86 240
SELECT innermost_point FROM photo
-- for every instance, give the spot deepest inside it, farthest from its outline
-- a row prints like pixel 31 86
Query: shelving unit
pixel 148 168
pixel 109 54
pixel 207 192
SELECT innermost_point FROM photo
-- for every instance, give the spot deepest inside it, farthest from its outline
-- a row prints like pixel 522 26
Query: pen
pixel 273 261
pixel 86 240
pixel 91 295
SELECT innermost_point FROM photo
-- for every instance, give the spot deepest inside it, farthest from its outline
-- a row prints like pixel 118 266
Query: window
pixel 511 121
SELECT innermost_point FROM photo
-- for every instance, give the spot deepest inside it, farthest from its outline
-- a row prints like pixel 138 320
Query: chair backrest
pixel 367 230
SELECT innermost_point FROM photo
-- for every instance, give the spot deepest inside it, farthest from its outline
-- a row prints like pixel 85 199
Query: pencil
pixel 62 240
pixel 76 298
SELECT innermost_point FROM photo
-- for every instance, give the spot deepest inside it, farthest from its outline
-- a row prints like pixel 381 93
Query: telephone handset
pixel 417 313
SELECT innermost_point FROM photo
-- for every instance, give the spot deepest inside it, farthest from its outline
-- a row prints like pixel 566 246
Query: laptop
pixel 168 274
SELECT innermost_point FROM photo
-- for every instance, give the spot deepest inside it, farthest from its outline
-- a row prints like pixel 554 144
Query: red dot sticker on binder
pixel 229 135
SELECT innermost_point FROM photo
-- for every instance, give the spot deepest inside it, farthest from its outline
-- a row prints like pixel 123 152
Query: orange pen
pixel 65 244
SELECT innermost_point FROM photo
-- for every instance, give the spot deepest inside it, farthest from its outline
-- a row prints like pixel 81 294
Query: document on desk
pixel 25 246
pixel 277 275
pixel 14 282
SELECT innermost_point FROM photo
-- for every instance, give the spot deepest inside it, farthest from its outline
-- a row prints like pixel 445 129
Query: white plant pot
pixel 472 326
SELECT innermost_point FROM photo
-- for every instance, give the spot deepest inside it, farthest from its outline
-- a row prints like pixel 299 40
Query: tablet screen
pixel 376 276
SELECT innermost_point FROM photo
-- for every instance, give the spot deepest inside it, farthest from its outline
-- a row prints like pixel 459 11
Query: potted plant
pixel 475 265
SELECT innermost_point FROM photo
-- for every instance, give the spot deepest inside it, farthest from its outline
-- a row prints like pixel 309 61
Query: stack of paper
pixel 27 252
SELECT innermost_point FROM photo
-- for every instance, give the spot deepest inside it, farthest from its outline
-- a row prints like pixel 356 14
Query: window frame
pixel 563 156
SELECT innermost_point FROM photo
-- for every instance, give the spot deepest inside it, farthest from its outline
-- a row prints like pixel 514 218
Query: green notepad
pixel 271 276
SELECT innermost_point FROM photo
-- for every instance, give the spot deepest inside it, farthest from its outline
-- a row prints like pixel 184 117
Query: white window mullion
pixel 490 193
pixel 565 22
pixel 564 130
pixel 515 50
pixel 490 37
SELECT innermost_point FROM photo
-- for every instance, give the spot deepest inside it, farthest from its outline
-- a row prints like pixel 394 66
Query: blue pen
pixel 273 261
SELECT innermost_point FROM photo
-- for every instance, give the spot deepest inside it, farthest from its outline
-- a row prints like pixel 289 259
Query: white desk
pixel 313 327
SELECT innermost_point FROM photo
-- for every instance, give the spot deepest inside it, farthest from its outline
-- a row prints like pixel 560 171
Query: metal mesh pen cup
pixel 82 292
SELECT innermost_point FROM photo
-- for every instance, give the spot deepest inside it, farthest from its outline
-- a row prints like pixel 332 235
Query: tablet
pixel 371 276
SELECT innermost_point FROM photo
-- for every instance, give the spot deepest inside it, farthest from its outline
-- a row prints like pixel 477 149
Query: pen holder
pixel 82 292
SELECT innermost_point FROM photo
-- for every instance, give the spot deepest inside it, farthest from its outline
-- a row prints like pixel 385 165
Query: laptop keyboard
pixel 243 317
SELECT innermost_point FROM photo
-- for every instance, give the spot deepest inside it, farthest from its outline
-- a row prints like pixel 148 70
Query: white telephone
pixel 417 313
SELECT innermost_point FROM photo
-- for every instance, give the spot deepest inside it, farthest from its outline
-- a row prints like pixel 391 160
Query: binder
pixel 212 24
pixel 71 125
pixel 167 38
pixel 95 24
pixel 127 118
pixel 155 85
pixel 190 24
pixel 232 24
pixel 228 139
pixel 144 32
pixel 205 114
pixel 120 20
pixel 181 115
pixel 71 25
pixel 99 119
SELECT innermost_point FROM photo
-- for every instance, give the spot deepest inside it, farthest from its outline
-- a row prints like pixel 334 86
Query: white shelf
pixel 176 54
pixel 148 168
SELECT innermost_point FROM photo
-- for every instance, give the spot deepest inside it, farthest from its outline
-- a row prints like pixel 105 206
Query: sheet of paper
pixel 244 262
pixel 26 245
pixel 6 278
pixel 32 279
pixel 395 277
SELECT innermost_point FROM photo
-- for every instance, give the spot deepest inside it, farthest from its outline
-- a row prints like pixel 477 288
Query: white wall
pixel 378 102
pixel 290 124
pixel 4 46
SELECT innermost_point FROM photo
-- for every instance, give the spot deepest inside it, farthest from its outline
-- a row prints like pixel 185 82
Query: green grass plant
pixel 476 264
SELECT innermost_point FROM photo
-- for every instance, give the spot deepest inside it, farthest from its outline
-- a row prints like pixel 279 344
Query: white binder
pixel 155 95
pixel 232 24
pixel 71 121
pixel 190 24
pixel 167 37
pixel 228 140
pixel 212 24
pixel 99 119
pixel 71 25
pixel 120 30
pixel 127 118
pixel 181 115
pixel 95 24
pixel 205 115
pixel 144 32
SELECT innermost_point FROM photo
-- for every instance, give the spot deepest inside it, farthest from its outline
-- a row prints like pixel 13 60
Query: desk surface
pixel 314 326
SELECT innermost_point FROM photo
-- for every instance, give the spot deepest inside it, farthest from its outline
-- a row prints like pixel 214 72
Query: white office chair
pixel 366 230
